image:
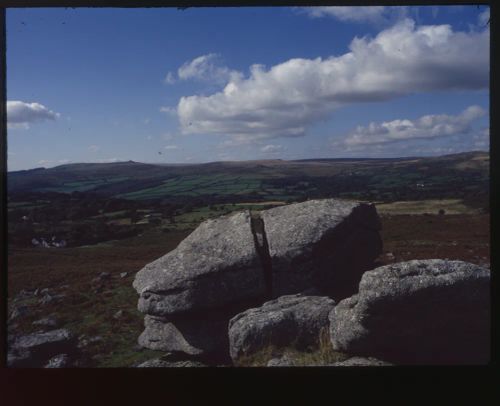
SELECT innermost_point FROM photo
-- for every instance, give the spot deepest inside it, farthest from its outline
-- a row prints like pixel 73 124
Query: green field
pixel 217 184
pixel 85 185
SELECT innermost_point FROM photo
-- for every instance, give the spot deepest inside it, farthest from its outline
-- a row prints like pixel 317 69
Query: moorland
pixel 117 217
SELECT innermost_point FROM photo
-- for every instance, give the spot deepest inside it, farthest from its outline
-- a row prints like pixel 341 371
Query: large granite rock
pixel 35 350
pixel 293 320
pixel 326 244
pixel 237 262
pixel 216 265
pixel 203 337
pixel 418 312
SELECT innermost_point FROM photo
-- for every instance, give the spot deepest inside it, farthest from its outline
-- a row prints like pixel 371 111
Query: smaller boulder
pixel 159 363
pixel 59 361
pixel 18 312
pixel 283 361
pixel 51 299
pixel 361 362
pixel 49 321
pixel 118 315
pixel 35 350
pixel 289 321
pixel 192 336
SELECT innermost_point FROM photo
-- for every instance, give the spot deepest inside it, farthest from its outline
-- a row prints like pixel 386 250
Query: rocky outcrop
pixel 37 349
pixel 417 312
pixel 289 321
pixel 193 337
pixel 217 264
pixel 326 244
pixel 236 262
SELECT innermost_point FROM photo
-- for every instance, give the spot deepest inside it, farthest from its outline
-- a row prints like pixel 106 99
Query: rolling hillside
pixel 458 175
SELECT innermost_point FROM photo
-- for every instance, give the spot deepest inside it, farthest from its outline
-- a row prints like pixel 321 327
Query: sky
pixel 162 85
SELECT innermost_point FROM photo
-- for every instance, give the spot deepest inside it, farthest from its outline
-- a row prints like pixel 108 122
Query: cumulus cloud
pixel 286 98
pixel 429 126
pixel 271 149
pixel 206 68
pixel 372 14
pixel 171 147
pixel 21 114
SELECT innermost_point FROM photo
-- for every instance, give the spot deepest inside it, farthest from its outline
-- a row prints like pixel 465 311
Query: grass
pixel 197 185
pixel 320 355
pixel 432 206
pixel 83 310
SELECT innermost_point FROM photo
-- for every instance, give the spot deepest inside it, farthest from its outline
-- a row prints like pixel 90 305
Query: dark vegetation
pixel 118 217
pixel 90 203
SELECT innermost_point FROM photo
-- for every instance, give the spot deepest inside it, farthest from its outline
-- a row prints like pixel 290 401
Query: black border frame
pixel 301 385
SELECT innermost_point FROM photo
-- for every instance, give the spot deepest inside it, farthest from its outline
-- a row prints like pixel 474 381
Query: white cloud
pixel 169 110
pixel 429 126
pixel 271 149
pixel 64 161
pixel 169 79
pixel 206 68
pixel 94 148
pixel 147 121
pixel 149 137
pixel 285 99
pixel 171 147
pixel 21 114
pixel 372 14
pixel 45 162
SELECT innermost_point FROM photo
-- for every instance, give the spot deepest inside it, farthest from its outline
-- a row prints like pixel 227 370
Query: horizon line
pixel 250 160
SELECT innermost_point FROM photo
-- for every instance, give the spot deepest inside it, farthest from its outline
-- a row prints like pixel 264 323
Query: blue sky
pixel 211 84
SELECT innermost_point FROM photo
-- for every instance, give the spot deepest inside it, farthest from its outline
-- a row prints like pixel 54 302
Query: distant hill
pixel 270 179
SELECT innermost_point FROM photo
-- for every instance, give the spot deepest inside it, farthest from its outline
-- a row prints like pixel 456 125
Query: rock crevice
pixel 262 246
